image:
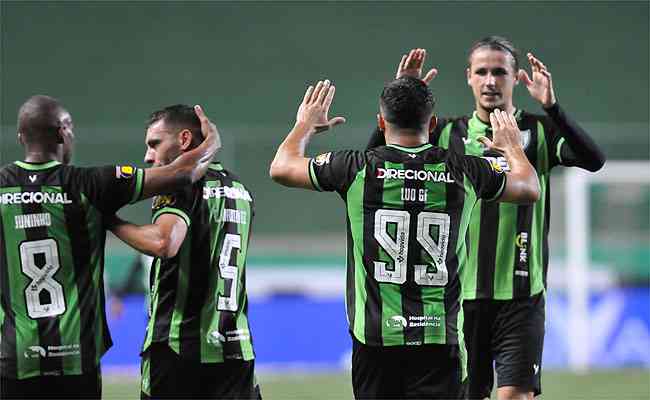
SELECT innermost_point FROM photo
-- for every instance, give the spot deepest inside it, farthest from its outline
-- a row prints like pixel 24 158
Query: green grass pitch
pixel 632 384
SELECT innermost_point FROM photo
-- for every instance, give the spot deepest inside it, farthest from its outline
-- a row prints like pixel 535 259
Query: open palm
pixel 540 86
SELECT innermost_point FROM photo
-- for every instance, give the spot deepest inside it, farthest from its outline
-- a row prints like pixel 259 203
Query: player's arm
pixel 522 184
pixel 574 147
pixel 162 239
pixel 410 65
pixel 290 167
pixel 188 168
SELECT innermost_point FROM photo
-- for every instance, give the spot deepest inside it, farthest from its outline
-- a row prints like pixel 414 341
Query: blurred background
pixel 112 63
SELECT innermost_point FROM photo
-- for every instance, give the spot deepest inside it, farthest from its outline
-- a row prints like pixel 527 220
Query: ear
pixel 60 134
pixel 185 139
pixel 380 122
pixel 19 136
pixel 432 123
pixel 468 74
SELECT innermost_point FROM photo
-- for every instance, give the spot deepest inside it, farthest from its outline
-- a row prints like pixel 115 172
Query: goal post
pixel 577 203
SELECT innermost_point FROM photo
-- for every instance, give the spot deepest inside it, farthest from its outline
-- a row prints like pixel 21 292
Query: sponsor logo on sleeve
pixel 322 159
pixel 163 201
pixel 525 138
pixel 124 171
pixel 498 164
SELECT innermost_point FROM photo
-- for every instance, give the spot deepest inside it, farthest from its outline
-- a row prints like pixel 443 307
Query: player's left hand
pixel 315 106
pixel 540 86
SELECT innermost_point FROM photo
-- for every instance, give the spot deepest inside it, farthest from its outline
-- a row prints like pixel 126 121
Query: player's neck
pixel 484 115
pixel 406 139
pixel 38 155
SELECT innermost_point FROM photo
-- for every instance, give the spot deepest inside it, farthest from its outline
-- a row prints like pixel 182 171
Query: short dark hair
pixel 180 116
pixel 407 102
pixel 38 116
pixel 498 43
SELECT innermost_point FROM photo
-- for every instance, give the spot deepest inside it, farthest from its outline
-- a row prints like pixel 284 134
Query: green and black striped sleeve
pixel 335 171
pixel 488 179
pixel 111 187
pixel 179 203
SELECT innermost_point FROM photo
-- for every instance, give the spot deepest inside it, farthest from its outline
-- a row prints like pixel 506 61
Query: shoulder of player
pixel 444 122
pixel 461 163
pixel 528 119
pixel 223 178
pixel 6 172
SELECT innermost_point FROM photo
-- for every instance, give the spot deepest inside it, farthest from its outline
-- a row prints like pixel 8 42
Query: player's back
pixel 199 302
pixel 51 264
pixel 407 210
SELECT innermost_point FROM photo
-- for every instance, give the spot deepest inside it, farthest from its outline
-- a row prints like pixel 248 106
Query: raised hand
pixel 315 106
pixel 506 135
pixel 540 86
pixel 208 129
pixel 411 65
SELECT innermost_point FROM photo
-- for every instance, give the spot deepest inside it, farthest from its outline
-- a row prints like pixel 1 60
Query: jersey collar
pixel 216 166
pixel 411 149
pixel 476 126
pixel 37 166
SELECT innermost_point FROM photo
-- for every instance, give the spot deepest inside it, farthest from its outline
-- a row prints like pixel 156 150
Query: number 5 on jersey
pixel 228 273
pixel 398 248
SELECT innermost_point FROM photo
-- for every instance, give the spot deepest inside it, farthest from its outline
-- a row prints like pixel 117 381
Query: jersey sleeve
pixel 111 187
pixel 179 203
pixel 488 178
pixel 568 143
pixel 554 142
pixel 335 171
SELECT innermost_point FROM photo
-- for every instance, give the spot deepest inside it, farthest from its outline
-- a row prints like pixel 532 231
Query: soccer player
pixel 408 204
pixel 505 279
pixel 52 231
pixel 198 342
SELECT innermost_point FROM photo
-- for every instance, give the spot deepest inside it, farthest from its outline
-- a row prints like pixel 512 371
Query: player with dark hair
pixel 52 232
pixel 408 206
pixel 505 279
pixel 198 342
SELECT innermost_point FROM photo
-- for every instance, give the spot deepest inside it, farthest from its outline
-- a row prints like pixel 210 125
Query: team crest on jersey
pixel 163 201
pixel 323 159
pixel 525 138
pixel 124 171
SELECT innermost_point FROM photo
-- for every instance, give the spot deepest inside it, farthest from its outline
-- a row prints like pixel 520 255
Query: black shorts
pixel 166 375
pixel 430 371
pixel 84 386
pixel 506 334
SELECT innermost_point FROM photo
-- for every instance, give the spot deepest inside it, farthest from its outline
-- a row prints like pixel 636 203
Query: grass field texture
pixel 632 384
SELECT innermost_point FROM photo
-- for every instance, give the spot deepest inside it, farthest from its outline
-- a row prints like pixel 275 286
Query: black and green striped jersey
pixel 52 234
pixel 507 243
pixel 406 210
pixel 199 306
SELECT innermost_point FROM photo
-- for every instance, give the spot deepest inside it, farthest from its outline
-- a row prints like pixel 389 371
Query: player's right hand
pixel 411 65
pixel 315 107
pixel 506 134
